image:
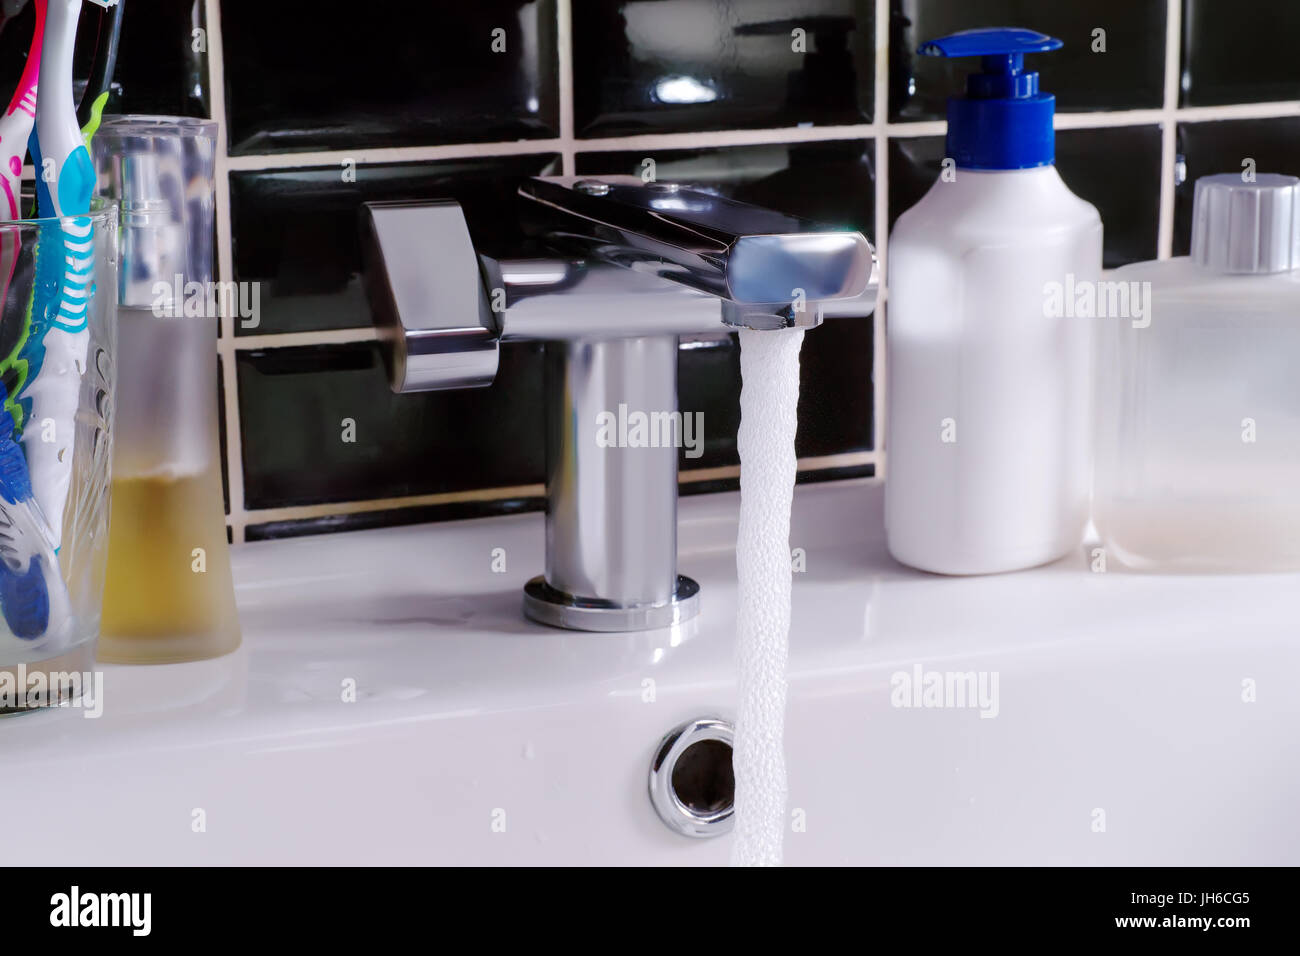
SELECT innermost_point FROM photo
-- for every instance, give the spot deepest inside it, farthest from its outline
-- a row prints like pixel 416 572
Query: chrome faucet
pixel 636 266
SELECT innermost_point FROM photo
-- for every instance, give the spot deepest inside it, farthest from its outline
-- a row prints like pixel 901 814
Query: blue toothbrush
pixel 29 570
pixel 56 347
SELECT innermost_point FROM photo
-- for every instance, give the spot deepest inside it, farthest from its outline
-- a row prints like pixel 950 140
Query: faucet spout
pixel 767 263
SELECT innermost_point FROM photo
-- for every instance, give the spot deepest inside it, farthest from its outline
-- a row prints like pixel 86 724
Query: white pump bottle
pixel 988 454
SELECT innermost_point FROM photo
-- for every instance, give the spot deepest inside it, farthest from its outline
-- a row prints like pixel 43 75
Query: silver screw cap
pixel 1244 228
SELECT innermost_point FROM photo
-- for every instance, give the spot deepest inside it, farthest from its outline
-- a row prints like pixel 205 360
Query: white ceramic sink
pixel 1116 692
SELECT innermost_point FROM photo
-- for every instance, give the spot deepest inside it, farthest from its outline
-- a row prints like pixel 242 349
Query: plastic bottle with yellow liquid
pixel 169 595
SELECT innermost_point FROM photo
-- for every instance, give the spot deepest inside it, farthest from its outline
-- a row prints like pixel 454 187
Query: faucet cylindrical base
pixel 614 431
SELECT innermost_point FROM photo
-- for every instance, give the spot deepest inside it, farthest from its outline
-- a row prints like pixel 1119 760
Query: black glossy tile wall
pixel 320 424
pixel 295 230
pixel 162 63
pixel 1230 146
pixel 334 76
pixel 832 182
pixel 682 65
pixel 336 81
pixel 1120 68
pixel 1115 169
pixel 1240 51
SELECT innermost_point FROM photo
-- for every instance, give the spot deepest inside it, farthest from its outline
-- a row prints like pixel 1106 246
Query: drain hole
pixel 703 780
pixel 692 786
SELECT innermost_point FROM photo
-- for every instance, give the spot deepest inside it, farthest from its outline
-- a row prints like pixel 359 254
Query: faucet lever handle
pixel 741 253
pixel 428 297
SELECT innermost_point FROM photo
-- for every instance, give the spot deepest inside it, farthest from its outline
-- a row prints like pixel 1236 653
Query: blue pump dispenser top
pixel 1002 122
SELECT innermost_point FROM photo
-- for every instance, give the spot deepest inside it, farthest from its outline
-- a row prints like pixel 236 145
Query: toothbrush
pixel 16 126
pixel 15 130
pixel 33 600
pixel 56 347
pixel 101 71
pixel 24 589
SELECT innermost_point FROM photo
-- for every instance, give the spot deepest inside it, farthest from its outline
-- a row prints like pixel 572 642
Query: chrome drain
pixel 692 786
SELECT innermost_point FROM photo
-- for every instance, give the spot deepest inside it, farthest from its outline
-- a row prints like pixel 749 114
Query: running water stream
pixel 769 399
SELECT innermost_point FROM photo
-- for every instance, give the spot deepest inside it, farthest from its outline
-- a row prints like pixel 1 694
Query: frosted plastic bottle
pixel 988 465
pixel 169 594
pixel 1197 402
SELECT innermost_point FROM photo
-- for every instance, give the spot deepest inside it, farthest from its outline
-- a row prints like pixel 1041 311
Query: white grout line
pixel 370 156
pixel 564 49
pixel 880 110
pixel 1169 128
pixel 1101 120
pixel 916 129
pixel 722 138
pixel 1236 111
pixel 226 345
pixel 726 137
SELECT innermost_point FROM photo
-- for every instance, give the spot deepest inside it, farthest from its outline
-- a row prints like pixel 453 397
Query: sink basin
pixel 390 705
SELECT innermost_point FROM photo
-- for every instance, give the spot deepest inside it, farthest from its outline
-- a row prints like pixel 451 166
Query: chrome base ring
pixel 546 605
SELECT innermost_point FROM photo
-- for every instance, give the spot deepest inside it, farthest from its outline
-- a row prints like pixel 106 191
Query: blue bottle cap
pixel 1002 122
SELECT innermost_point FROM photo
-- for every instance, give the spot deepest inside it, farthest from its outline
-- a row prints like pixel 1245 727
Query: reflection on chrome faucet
pixel 636 266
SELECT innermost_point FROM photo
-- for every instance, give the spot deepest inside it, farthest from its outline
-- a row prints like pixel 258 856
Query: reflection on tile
pixel 158 69
pixel 806 477
pixel 1239 52
pixel 341 77
pixel 391 517
pixel 1117 170
pixel 299 407
pixel 1129 74
pixel 681 65
pixel 295 230
pixel 831 182
pixel 1268 145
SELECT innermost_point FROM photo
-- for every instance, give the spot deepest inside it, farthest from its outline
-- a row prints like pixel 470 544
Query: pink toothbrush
pixel 16 127
pixel 15 130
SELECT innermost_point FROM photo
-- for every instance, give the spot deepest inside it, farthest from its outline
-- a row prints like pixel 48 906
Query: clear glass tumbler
pixel 169 595
pixel 57 335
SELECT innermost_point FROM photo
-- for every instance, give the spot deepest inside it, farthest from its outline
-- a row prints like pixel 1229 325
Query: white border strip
pixel 226 345
pixel 880 110
pixel 1169 128
pixel 564 49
